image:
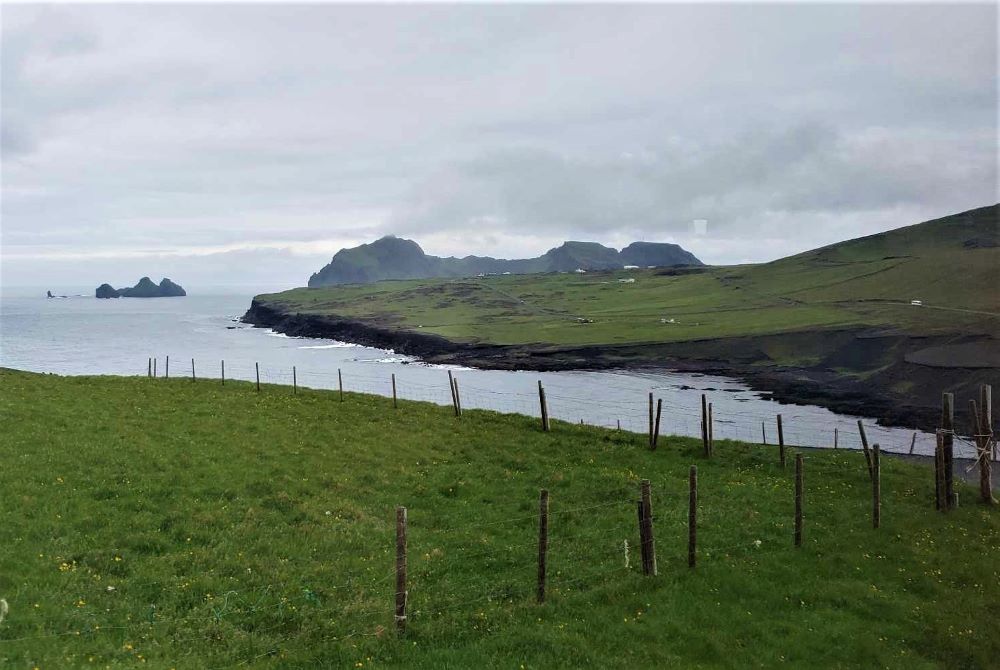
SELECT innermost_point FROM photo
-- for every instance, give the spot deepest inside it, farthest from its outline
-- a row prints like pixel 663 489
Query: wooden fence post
pixel 763 432
pixel 798 500
pixel 649 434
pixel 340 384
pixel 913 442
pixel 256 367
pixel 149 367
pixel 154 367
pixel 781 442
pixel 458 397
pixel 192 370
pixel 543 541
pixel 295 381
pixel 395 404
pixel 864 446
pixel 451 387
pixel 948 448
pixel 544 407
pixel 692 516
pixel 656 424
pixel 982 437
pixel 835 435
pixel 223 372
pixel 166 370
pixel 649 554
pixel 401 569
pixel 876 487
pixel 704 425
pixel 938 471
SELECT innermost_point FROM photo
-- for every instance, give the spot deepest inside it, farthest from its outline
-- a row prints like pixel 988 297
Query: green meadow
pixel 952 265
pixel 179 524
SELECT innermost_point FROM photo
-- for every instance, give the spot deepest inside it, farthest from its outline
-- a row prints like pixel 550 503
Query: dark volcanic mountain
pixel 395 258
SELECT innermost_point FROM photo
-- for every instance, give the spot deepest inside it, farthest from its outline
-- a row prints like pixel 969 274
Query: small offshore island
pixel 144 289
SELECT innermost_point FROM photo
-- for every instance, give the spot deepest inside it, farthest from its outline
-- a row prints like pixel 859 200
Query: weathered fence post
pixel 154 367
pixel 835 435
pixel 704 425
pixel 295 381
pixel 649 433
pixel 458 397
pixel 223 372
pixel 876 487
pixel 781 442
pixel 340 384
pixel 166 370
pixel 981 428
pixel 938 471
pixel 798 500
pixel 192 370
pixel 948 448
pixel 451 387
pixel 763 432
pixel 649 546
pixel 544 406
pixel 864 446
pixel 692 516
pixel 913 442
pixel 149 367
pixel 543 541
pixel 256 367
pixel 395 404
pixel 656 424
pixel 401 569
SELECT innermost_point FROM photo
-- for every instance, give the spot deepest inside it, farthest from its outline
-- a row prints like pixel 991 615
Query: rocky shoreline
pixel 742 358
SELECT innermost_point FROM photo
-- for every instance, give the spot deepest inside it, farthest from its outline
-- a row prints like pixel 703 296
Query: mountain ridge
pixel 391 257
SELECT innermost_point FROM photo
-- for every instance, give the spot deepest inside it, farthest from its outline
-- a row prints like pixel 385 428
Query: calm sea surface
pixel 81 335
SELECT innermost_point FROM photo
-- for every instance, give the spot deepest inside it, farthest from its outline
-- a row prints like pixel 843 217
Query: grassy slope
pixel 191 525
pixel 864 282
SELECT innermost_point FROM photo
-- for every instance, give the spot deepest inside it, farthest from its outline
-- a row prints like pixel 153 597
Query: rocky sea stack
pixel 144 289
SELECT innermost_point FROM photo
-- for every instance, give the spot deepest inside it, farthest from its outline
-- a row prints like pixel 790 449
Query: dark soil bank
pixel 848 371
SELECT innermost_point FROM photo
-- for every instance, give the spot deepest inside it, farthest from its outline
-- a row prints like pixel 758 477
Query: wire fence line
pixel 619 407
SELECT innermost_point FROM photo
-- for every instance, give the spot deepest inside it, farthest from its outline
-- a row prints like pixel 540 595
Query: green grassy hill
pixel 951 264
pixel 180 524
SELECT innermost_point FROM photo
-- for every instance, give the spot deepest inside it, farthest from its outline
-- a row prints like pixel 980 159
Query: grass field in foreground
pixel 951 264
pixel 183 524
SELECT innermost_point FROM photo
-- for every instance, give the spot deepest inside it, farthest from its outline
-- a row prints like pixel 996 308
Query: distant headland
pixel 144 289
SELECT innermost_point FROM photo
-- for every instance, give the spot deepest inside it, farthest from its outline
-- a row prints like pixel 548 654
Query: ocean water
pixel 81 335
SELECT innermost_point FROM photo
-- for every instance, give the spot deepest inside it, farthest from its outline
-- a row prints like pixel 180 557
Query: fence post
pixel 295 381
pixel 650 433
pixel 781 442
pixel 981 432
pixel 544 407
pixel 340 384
pixel 401 570
pixel 704 424
pixel 948 448
pixel 938 471
pixel 256 367
pixel 149 367
pixel 223 372
pixel 395 404
pixel 451 387
pixel 649 553
pixel 166 370
pixel 864 446
pixel 692 516
pixel 154 367
pixel 656 425
pixel 876 487
pixel 543 541
pixel 763 432
pixel 798 500
pixel 835 436
pixel 192 370
pixel 458 397
pixel 913 441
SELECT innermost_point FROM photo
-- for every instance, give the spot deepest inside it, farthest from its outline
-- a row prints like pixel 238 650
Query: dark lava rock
pixel 107 291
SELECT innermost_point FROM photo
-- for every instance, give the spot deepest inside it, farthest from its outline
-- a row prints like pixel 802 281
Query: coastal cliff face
pixel 739 357
pixel 144 289
pixel 395 258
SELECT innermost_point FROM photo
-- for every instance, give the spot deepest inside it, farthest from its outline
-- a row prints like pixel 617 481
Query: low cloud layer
pixel 200 140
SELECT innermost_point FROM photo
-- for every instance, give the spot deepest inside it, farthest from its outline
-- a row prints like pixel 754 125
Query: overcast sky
pixel 245 144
